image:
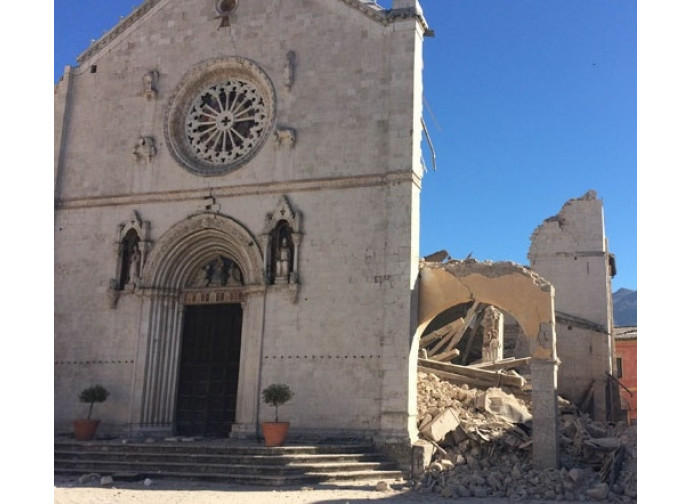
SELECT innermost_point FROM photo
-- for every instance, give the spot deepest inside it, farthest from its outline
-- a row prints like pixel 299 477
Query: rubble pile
pixel 479 445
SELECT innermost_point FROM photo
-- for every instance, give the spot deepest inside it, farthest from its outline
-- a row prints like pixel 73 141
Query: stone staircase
pixel 223 460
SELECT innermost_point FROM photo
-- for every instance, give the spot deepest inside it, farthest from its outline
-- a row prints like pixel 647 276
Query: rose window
pixel 225 121
pixel 220 116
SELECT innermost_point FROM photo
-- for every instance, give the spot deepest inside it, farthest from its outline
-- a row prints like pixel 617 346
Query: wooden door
pixel 209 370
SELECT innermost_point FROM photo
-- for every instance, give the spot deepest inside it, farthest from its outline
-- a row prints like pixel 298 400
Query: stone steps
pixel 223 461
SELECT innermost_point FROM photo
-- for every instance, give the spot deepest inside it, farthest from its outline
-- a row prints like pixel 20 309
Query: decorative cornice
pixel 241 190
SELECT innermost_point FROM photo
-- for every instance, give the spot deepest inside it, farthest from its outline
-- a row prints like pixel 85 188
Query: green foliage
pixel 276 395
pixel 93 394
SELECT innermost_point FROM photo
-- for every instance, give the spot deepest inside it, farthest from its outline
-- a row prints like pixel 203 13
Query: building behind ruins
pixel 626 369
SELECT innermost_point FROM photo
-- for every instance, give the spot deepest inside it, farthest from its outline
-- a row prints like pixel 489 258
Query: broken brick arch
pixel 529 299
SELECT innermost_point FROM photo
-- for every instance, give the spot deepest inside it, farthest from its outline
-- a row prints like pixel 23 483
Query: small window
pixel 619 367
pixel 93 68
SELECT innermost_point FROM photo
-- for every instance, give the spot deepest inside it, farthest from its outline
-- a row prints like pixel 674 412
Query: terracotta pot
pixel 84 430
pixel 275 433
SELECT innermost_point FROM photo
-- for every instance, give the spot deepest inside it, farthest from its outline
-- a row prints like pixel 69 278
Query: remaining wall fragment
pixel 570 250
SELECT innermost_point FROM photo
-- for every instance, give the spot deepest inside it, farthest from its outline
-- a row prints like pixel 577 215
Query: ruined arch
pixel 529 298
pixel 173 262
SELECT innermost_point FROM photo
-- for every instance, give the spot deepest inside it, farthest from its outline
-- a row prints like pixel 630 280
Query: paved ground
pixel 69 491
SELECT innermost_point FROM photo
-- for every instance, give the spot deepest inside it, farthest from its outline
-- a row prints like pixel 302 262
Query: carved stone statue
pixel 289 69
pixel 283 260
pixel 284 137
pixel 134 265
pixel 144 148
pixel 234 275
pixel 201 278
pixel 218 276
pixel 492 325
pixel 150 82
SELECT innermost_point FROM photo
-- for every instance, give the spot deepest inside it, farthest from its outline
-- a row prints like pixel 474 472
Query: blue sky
pixel 528 104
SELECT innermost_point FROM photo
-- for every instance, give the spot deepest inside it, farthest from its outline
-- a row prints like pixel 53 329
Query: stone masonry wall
pixel 353 173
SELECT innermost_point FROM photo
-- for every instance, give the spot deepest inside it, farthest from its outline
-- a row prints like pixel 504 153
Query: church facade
pixel 237 204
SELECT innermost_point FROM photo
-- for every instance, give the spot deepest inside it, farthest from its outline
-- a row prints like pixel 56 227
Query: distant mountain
pixel 625 308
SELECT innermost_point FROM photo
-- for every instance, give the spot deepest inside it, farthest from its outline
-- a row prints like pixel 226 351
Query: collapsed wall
pixel 527 297
pixel 478 443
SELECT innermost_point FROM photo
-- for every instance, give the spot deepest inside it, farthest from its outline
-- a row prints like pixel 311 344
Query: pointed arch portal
pixel 199 340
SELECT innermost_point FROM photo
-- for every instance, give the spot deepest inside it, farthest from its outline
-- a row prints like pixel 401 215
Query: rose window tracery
pixel 220 116
pixel 225 121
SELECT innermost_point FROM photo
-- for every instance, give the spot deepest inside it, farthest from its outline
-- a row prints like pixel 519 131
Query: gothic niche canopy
pixel 281 240
pixel 131 248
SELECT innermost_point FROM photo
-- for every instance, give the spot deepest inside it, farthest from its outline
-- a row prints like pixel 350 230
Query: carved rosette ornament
pixel 220 116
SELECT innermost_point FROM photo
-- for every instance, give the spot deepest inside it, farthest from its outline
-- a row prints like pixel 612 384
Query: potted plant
pixel 275 432
pixel 84 429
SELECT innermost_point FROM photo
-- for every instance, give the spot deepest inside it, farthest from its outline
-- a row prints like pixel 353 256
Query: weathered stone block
pixel 444 423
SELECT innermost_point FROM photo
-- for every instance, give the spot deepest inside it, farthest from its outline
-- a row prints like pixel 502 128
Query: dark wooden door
pixel 209 369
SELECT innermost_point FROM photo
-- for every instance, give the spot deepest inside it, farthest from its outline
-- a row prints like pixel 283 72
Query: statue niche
pixel 281 240
pixel 130 272
pixel 282 253
pixel 131 247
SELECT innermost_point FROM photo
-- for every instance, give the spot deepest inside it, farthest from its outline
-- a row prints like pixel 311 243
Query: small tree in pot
pixel 276 395
pixel 84 429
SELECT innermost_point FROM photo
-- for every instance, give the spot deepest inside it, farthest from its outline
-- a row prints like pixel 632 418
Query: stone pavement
pixel 69 491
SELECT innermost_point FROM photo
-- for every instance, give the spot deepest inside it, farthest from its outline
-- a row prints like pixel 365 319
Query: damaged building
pixel 540 332
pixel 216 233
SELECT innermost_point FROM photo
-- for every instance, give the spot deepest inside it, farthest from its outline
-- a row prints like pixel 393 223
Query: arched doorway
pixel 209 369
pixel 197 373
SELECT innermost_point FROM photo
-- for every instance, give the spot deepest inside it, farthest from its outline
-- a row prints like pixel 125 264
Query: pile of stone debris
pixel 478 443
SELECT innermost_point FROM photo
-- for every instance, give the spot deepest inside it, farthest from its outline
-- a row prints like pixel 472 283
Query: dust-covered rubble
pixel 483 448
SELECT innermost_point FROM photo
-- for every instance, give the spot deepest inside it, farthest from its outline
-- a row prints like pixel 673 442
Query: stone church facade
pixel 237 204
